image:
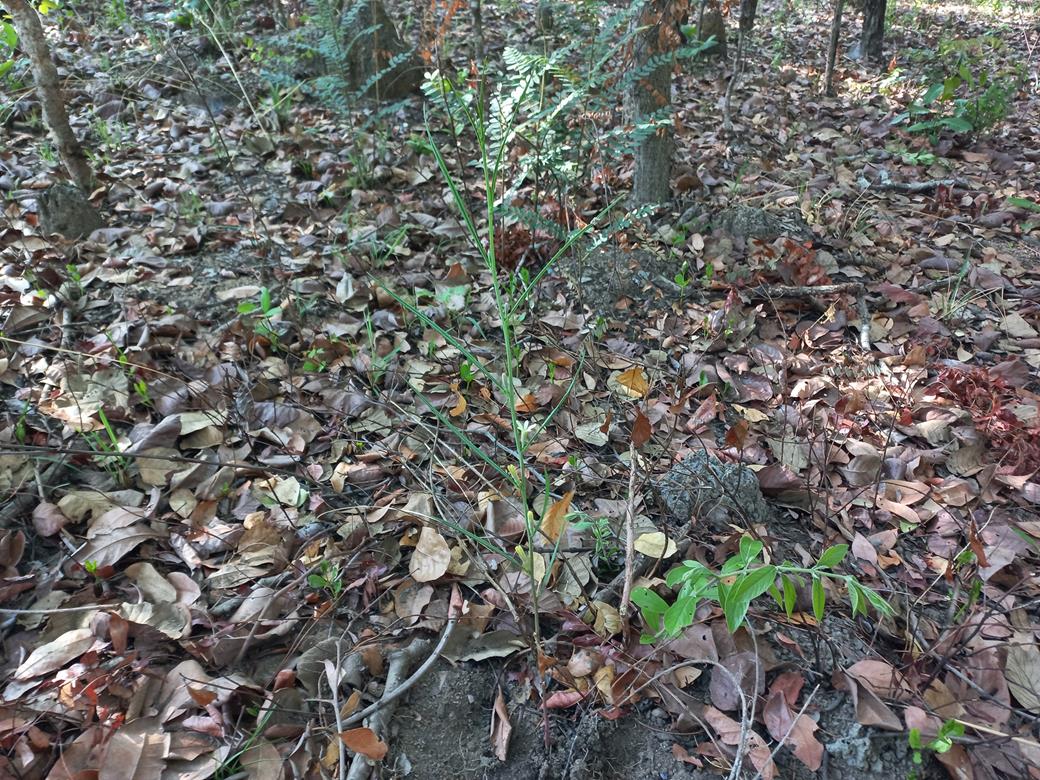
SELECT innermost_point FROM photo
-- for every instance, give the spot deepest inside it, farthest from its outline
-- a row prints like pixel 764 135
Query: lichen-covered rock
pixel 64 209
pixel 703 488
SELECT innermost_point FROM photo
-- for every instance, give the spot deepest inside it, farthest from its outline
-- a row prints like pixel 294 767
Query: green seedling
pixel 742 579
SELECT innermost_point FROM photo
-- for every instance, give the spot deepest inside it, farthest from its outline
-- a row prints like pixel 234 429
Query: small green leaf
pixel 1024 203
pixel 790 595
pixel 914 738
pixel 778 597
pixel 819 597
pixel 246 307
pixel 877 601
pixel 832 556
pixel 855 598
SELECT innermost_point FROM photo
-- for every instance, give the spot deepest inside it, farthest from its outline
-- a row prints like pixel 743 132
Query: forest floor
pixel 256 458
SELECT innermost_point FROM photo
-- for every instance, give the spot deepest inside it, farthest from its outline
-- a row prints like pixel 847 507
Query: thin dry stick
pixel 630 543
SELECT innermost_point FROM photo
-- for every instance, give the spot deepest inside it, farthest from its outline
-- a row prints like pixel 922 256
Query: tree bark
pixel 872 39
pixel 658 34
pixel 48 86
pixel 832 48
pixel 748 10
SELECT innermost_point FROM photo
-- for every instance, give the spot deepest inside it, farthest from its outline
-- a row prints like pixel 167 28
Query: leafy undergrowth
pixel 261 410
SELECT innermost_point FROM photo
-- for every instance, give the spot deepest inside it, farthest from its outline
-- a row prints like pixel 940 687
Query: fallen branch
pixel 884 182
pixel 397 684
pixel 808 291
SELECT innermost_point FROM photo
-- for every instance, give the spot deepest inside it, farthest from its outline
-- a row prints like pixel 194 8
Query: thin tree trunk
pixel 873 38
pixel 651 95
pixel 48 86
pixel 832 48
pixel 477 15
pixel 748 9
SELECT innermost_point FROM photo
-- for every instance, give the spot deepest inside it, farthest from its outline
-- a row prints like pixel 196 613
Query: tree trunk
pixel 832 48
pixel 651 95
pixel 48 86
pixel 873 38
pixel 748 9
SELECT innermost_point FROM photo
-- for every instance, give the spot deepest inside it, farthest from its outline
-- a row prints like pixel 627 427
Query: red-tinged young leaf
pixel 364 741
pixel 640 429
pixel 737 435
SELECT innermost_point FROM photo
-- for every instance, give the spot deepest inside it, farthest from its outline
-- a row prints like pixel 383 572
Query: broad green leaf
pixel 832 556
pixel 746 590
pixel 651 605
pixel 778 597
pixel 8 34
pixel 958 124
pixel 680 615
pixel 914 738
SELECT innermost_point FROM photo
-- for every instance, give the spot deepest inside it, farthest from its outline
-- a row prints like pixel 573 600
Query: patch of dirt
pixel 855 751
pixel 442 731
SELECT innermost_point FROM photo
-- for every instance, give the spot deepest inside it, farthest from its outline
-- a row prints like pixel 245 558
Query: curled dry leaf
pixel 48 519
pixel 555 519
pixel 501 728
pixel 631 383
pixel 798 732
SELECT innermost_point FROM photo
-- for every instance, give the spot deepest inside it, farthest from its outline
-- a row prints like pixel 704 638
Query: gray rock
pixel 64 209
pixel 703 488
pixel 746 222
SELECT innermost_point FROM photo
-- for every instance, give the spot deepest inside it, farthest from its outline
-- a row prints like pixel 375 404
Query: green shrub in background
pixel 962 95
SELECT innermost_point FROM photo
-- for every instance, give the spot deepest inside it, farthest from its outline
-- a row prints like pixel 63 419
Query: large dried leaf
pixel 430 558
pixel 137 751
pixel 55 654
